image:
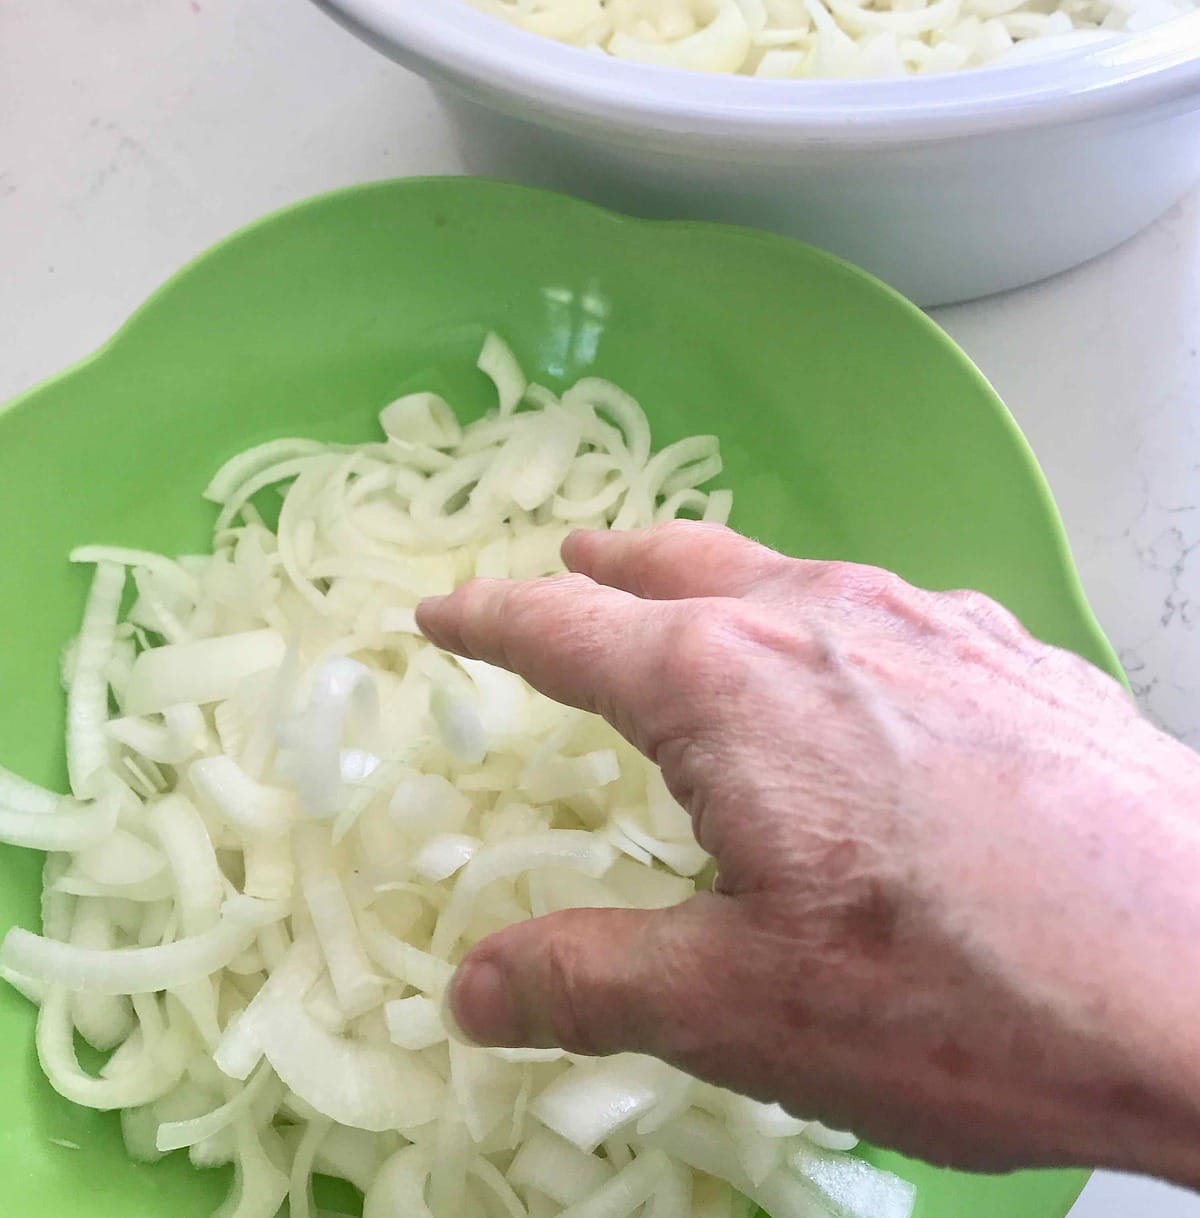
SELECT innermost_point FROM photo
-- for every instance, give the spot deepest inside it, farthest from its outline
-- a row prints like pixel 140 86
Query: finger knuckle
pixel 568 583
pixel 665 532
pixel 672 530
pixel 533 606
pixel 859 584
pixel 981 609
pixel 668 547
pixel 471 605
pixel 700 646
pixel 1066 669
pixel 572 1006
pixel 501 609
pixel 471 597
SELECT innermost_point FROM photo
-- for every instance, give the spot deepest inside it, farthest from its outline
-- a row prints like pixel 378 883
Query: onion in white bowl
pixel 779 39
pixel 300 815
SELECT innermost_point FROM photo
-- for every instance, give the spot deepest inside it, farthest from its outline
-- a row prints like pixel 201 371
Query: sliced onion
pixel 179 737
pixel 259 1187
pixel 124 970
pixel 553 848
pixel 767 1120
pixel 354 982
pixel 672 1194
pixel 103 1020
pixel 458 723
pixel 173 1135
pixel 184 841
pixel 490 1177
pixel 547 458
pixel 594 1100
pixel 705 1145
pixel 66 827
pixel 200 672
pixel 27 987
pixel 829 1139
pixel 303 1159
pixel 241 1047
pixel 428 804
pixel 444 855
pixel 399 1188
pixel 351 1154
pixel 497 361
pixel 144 1081
pixel 414 1023
pixel 121 860
pixel 421 418
pixel 561 777
pixel 361 1085
pixel 269 868
pixel 646 887
pixel 559 1169
pixel 313 741
pixel 87 692
pixel 405 962
pixel 19 795
pixel 624 1194
pixel 686 858
pixel 848 1186
pixel 237 471
pixel 249 806
pixel 485 1088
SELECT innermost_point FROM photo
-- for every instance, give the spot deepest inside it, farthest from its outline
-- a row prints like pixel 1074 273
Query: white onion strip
pixel 125 970
pixel 19 795
pixel 144 1081
pixel 87 692
pixel 200 672
pixel 173 1135
pixel 70 828
pixel 184 841
pixel 357 1084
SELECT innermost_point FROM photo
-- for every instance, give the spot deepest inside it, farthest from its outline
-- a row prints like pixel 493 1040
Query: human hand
pixel 956 908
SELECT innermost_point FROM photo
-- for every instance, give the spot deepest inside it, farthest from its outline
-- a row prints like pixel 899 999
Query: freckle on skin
pixel 871 921
pixel 1130 1099
pixel 796 1011
pixel 951 1058
pixel 1027 1052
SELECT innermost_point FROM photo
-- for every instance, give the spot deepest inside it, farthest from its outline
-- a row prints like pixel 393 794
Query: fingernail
pixel 576 536
pixel 478 1008
pixel 425 607
pixel 450 1022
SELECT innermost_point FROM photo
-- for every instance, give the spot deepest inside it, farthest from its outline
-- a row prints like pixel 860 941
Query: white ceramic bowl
pixel 947 187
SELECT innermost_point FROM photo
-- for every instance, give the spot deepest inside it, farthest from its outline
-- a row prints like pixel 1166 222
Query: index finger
pixel 676 560
pixel 578 642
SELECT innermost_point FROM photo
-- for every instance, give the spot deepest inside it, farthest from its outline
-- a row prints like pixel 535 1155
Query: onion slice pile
pixel 789 39
pixel 291 817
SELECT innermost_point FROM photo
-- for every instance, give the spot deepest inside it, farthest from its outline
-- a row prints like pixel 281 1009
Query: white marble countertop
pixel 133 133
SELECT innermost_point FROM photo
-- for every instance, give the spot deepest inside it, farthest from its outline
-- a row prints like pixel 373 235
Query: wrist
pixel 1144 1004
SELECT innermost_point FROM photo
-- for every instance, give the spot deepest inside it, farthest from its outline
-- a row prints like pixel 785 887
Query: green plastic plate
pixel 851 426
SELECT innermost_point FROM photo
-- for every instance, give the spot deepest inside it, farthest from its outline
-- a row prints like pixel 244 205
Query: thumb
pixel 599 981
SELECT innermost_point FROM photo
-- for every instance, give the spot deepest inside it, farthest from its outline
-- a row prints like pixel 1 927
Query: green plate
pixel 851 426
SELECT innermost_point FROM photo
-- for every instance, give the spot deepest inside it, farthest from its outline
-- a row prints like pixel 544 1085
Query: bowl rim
pixel 247 233
pixel 528 73
pixel 173 290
